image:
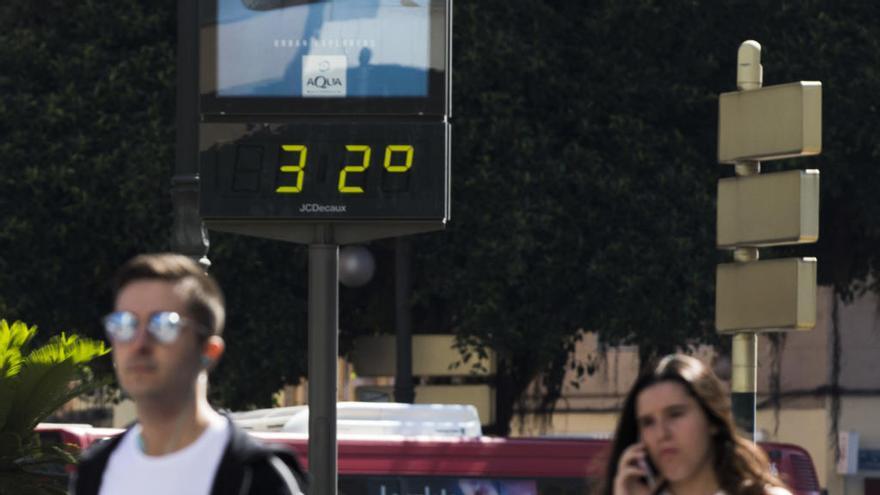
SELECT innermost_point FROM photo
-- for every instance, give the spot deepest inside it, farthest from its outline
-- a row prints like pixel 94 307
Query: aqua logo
pixel 322 82
pixel 324 75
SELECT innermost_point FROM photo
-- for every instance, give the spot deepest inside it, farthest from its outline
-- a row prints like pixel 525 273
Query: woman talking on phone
pixel 676 436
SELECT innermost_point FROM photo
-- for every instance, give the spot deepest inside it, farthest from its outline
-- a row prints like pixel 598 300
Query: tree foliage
pixel 86 119
pixel 87 108
pixel 585 168
pixel 584 172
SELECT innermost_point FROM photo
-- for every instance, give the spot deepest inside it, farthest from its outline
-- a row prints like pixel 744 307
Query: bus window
pixel 436 485
pixel 565 486
pixel 369 485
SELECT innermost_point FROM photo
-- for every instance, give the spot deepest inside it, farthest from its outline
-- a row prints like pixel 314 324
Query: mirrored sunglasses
pixel 164 326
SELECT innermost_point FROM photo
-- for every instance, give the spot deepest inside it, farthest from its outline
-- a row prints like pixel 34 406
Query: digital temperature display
pixel 325 171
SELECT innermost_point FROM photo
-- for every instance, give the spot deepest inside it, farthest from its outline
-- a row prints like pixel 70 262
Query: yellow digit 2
pixel 294 169
pixel 354 168
pixel 400 148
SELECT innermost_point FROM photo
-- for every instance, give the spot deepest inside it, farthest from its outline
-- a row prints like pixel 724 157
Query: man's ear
pixel 212 350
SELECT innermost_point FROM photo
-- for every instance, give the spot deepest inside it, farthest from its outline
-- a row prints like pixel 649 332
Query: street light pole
pixel 403 380
pixel 323 352
pixel 188 234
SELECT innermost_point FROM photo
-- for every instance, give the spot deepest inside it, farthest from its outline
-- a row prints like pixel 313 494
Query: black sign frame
pixel 242 171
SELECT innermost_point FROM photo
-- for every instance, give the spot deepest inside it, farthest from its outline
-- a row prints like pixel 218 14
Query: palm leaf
pixel 79 350
pixel 42 388
pixel 44 383
pixel 12 341
pixel 22 334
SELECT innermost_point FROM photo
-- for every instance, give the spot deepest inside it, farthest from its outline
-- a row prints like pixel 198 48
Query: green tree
pixel 583 165
pixel 87 100
pixel 86 116
pixel 585 169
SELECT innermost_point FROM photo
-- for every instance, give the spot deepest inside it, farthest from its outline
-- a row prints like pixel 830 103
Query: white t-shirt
pixel 189 471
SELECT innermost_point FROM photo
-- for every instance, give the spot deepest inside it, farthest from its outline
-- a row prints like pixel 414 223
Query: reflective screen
pixel 323 49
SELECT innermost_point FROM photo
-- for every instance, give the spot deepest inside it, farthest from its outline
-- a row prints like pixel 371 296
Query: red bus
pixel 468 466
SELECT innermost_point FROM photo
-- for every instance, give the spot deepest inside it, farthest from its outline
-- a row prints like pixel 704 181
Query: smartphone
pixel 651 477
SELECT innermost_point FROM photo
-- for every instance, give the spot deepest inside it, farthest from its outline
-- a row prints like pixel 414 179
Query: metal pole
pixel 188 233
pixel 403 381
pixel 749 76
pixel 744 381
pixel 323 350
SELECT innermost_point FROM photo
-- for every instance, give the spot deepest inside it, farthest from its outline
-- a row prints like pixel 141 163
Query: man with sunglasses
pixel 165 332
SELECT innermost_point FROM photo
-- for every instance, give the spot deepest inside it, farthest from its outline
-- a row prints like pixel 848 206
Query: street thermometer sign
pixel 331 113
pixel 323 122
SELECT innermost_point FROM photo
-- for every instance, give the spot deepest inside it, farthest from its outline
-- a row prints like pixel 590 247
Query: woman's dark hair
pixel 741 467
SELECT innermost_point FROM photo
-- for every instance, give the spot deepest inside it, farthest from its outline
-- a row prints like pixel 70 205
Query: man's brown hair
pixel 204 299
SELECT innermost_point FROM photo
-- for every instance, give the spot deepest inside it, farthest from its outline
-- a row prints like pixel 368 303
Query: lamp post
pixel 188 234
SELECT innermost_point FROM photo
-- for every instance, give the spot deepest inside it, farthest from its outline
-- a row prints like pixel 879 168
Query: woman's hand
pixel 633 477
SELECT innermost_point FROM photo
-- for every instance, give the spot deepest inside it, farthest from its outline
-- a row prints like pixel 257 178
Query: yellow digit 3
pixel 297 169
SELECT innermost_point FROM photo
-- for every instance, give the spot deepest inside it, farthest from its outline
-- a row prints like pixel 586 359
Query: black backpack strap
pixel 231 473
pixel 86 480
pixel 270 475
pixel 283 472
pixel 250 467
pixel 288 458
